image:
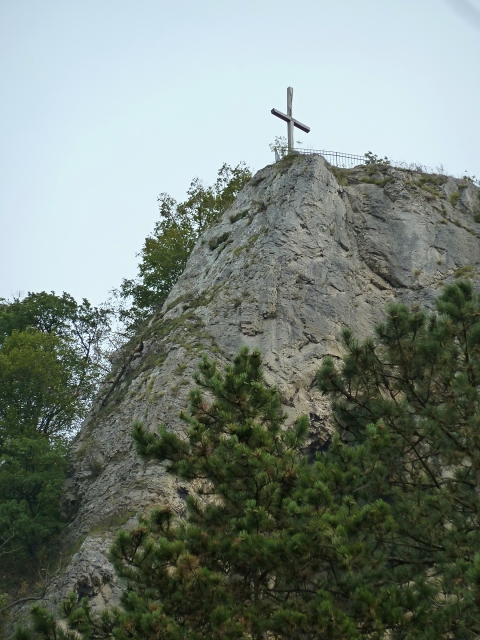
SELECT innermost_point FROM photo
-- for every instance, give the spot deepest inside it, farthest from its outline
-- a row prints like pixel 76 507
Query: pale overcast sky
pixel 106 103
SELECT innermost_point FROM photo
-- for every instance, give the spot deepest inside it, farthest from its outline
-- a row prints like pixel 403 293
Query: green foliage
pixel 476 216
pixel 377 538
pixel 465 272
pixel 43 311
pixel 81 329
pixel 271 547
pixel 431 190
pixel 471 179
pixel 51 358
pixel 454 198
pixel 283 165
pixel 39 379
pixel 214 243
pixel 418 383
pixel 430 183
pixel 373 159
pixel 340 174
pixel 379 183
pixel 279 147
pixel 165 253
pixel 434 179
pixel 32 471
pixel 238 216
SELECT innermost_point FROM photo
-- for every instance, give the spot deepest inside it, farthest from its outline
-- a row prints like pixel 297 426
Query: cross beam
pixel 289 119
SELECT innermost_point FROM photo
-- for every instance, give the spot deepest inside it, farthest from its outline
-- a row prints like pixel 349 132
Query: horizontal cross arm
pixel 296 123
pixel 280 115
pixel 301 126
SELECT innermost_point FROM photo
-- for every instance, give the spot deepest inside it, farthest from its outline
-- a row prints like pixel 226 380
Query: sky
pixel 107 103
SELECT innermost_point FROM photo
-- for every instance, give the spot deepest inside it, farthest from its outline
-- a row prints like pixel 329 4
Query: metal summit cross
pixel 289 119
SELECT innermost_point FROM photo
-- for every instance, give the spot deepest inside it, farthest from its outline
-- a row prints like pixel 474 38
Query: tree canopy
pixel 165 252
pixel 410 398
pixel 40 382
pixel 32 473
pixel 51 359
pixel 377 538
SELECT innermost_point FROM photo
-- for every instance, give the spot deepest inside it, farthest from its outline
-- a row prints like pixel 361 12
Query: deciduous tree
pixel 32 471
pixel 51 359
pixel 165 252
pixel 41 381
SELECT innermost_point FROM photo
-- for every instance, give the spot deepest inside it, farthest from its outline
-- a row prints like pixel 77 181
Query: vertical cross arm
pixel 290 124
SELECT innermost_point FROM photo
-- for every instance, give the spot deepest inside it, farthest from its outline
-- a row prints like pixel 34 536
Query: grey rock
pixel 312 257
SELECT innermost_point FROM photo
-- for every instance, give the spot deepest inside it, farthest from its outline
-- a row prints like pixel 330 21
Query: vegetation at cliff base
pixel 51 358
pixel 377 538
pixel 165 252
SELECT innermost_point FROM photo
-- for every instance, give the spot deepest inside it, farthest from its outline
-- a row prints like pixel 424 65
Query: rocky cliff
pixel 305 250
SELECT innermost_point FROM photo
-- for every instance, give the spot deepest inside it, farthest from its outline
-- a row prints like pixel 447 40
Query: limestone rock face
pixel 305 251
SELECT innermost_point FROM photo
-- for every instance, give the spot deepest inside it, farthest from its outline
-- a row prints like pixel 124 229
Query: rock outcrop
pixel 306 250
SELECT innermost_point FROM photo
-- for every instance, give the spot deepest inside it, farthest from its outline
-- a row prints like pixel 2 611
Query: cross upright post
pixel 290 120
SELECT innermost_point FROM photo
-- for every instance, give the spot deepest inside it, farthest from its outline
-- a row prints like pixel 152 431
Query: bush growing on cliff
pixel 165 253
pixel 373 159
pixel 377 539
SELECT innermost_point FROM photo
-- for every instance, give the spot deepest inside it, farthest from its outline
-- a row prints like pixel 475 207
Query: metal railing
pixel 343 160
pixel 348 161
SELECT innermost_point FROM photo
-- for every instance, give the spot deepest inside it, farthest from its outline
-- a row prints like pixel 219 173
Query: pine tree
pixel 266 548
pixel 418 383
